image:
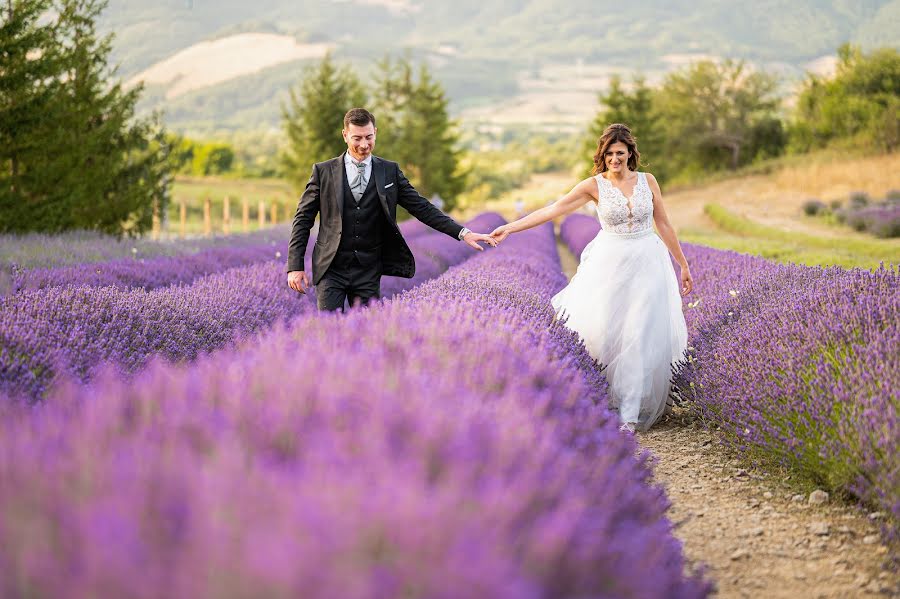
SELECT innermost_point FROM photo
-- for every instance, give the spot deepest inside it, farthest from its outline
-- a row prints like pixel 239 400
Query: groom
pixel 359 241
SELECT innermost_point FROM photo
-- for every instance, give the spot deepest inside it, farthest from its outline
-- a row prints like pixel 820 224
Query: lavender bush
pixel 881 220
pixel 38 260
pixel 39 250
pixel 450 442
pixel 802 365
pixel 798 365
pixel 577 230
pixel 145 273
pixel 74 329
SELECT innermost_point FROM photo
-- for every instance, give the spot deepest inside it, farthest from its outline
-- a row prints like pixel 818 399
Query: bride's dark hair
pixel 614 133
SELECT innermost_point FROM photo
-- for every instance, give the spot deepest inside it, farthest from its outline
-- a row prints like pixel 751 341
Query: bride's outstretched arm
pixel 667 234
pixel 582 193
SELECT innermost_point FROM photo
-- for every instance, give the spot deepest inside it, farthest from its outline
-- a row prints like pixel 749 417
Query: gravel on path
pixel 755 534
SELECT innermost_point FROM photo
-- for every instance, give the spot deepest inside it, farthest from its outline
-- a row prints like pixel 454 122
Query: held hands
pixel 473 239
pixel 500 233
pixel 298 281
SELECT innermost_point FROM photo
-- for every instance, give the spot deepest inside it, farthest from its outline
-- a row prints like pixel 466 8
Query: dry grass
pixel 775 199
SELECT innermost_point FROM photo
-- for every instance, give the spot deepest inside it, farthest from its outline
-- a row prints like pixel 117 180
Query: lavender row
pixel 144 273
pixel 39 250
pixel 73 330
pixel 450 442
pixel 577 230
pixel 799 365
pixel 21 253
pixel 183 263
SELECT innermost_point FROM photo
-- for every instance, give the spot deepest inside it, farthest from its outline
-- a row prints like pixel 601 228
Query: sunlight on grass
pixel 734 232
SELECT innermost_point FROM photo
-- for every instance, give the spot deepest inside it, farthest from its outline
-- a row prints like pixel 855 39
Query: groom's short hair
pixel 359 117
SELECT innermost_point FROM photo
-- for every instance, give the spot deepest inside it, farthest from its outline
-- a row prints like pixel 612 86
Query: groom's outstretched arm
pixel 422 209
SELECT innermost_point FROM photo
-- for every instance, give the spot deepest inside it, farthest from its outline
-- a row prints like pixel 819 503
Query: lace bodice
pixel 619 214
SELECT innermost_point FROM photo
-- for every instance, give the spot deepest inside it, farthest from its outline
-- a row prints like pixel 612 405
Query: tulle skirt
pixel 624 302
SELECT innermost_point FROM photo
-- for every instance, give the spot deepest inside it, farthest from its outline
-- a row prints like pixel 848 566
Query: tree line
pixel 410 108
pixel 72 153
pixel 714 116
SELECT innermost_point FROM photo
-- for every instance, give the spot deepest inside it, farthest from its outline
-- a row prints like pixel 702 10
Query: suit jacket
pixel 324 195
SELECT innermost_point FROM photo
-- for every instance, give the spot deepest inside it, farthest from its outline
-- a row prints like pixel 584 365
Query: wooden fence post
pixel 155 228
pixel 207 216
pixel 245 217
pixel 182 215
pixel 226 215
pixel 262 214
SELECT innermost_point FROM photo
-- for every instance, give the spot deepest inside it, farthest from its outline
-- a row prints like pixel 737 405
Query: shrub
pixel 859 199
pixel 813 207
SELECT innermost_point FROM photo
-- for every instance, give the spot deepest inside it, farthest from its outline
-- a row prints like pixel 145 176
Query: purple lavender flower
pixel 75 329
pixel 577 230
pixel 450 441
pixel 796 365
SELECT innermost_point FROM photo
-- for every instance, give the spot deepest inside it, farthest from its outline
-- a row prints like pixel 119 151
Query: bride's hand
pixel 687 281
pixel 500 233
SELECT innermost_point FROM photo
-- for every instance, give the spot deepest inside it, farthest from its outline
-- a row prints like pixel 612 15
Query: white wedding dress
pixel 625 304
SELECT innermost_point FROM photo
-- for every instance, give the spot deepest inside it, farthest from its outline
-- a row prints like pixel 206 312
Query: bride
pixel 623 301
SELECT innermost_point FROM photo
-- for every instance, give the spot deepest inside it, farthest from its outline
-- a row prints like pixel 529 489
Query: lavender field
pixel 71 320
pixel 797 366
pixel 184 425
pixel 450 440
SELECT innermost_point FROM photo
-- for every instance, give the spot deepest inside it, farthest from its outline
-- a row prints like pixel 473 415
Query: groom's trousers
pixel 351 278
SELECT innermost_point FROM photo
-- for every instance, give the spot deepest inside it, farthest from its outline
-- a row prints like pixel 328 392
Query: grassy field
pixel 760 211
pixel 734 232
pixel 193 191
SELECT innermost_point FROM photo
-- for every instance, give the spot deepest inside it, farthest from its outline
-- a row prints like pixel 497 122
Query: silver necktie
pixel 358 185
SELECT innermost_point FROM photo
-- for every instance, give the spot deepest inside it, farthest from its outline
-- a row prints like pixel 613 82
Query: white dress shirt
pixel 351 168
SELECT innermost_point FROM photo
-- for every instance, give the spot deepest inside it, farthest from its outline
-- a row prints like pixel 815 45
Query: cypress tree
pixel 415 129
pixel 314 118
pixel 79 158
pixel 29 86
pixel 635 109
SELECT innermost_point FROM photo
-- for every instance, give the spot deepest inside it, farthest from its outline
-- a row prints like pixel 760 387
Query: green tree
pixel 857 106
pixel 415 129
pixel 29 83
pixel 716 115
pixel 212 159
pixel 314 118
pixel 81 160
pixel 181 153
pixel 634 108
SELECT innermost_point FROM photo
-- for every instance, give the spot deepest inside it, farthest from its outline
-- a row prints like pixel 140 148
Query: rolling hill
pixel 524 60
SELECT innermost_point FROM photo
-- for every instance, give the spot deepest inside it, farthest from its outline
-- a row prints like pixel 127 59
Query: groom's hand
pixel 298 281
pixel 473 240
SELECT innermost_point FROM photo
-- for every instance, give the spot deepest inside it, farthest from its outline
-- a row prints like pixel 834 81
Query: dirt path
pixel 776 199
pixel 756 535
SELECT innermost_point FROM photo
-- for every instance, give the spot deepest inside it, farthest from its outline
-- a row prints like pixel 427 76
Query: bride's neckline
pixel 628 198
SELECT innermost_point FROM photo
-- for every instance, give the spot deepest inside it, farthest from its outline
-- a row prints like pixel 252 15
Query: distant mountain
pixel 513 61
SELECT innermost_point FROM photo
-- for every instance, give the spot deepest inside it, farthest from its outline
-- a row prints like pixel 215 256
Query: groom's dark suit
pixel 358 242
